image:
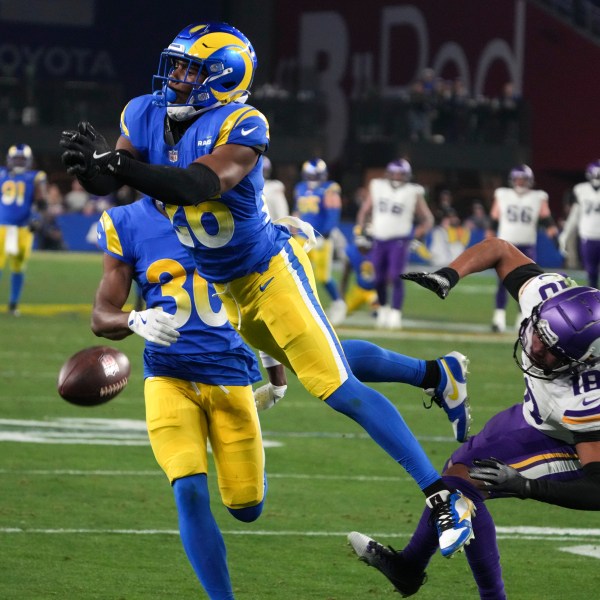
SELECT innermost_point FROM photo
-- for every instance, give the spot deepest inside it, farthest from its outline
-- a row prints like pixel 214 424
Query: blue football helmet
pixel 398 171
pixel 363 237
pixel 19 158
pixel 568 324
pixel 315 170
pixel 592 173
pixel 521 177
pixel 220 64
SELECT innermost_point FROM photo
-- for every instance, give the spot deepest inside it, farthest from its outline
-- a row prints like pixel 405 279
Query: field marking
pixel 551 534
pixel 591 551
pixel 153 473
pixel 132 432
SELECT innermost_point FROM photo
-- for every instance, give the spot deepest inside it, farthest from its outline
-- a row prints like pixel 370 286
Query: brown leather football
pixel 93 376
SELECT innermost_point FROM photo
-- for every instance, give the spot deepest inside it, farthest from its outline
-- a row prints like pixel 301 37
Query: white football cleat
pixel 382 317
pixel 451 393
pixel 394 319
pixel 452 514
pixel 499 321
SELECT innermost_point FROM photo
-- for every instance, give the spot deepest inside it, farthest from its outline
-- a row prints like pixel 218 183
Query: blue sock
pixel 372 363
pixel 382 421
pixel 332 289
pixel 16 285
pixel 201 537
pixel 250 513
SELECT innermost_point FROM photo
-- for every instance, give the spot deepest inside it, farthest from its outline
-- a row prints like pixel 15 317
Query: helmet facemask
pixel 19 158
pixel 314 172
pixel 219 68
pixel 568 325
pixel 521 179
pixel 525 341
pixel 398 172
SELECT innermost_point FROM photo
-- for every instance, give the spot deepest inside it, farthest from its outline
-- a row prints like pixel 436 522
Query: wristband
pixel 450 274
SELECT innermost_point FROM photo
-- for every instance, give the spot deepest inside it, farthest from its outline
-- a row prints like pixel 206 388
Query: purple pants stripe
pixel 508 437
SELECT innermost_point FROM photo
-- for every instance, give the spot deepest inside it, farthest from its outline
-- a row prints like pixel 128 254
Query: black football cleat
pixel 389 562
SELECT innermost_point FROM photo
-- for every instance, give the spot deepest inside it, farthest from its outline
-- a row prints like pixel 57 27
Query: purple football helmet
pixel 398 170
pixel 592 173
pixel 521 177
pixel 568 324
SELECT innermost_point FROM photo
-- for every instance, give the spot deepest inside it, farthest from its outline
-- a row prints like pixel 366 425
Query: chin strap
pixel 183 113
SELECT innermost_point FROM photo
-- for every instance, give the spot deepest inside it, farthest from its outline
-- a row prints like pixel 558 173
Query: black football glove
pixel 432 281
pixel 500 477
pixel 87 152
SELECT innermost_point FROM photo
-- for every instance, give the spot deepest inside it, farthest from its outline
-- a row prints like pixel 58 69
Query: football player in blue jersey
pixel 358 263
pixel 197 147
pixel 318 201
pixel 22 188
pixel 196 389
pixel 197 374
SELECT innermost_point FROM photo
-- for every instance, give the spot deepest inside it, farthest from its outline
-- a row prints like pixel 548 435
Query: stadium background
pixel 330 80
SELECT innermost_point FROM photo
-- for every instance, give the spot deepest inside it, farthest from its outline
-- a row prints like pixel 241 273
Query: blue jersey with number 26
pixel 229 235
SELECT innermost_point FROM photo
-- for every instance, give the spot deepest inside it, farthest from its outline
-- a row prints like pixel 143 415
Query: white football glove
pixel 154 325
pixel 268 395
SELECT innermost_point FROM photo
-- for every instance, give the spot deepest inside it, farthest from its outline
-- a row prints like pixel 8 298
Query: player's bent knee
pixel 247 514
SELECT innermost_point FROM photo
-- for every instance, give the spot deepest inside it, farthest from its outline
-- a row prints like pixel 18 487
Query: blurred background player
pixel 516 213
pixel 274 192
pixel 318 201
pixel 22 189
pixel 395 204
pixel 357 262
pixel 584 218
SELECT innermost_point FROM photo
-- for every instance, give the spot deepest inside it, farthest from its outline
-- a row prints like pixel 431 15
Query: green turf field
pixel 85 513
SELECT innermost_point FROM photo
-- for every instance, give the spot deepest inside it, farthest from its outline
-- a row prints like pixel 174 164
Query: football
pixel 93 376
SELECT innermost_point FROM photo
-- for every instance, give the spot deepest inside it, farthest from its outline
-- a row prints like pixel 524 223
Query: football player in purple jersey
pixel 584 217
pixel 196 146
pixel 516 213
pixel 546 448
pixel 394 203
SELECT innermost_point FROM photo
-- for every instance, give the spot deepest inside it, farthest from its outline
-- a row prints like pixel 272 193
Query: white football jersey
pixel 566 404
pixel 519 215
pixel 393 208
pixel 588 199
pixel 274 194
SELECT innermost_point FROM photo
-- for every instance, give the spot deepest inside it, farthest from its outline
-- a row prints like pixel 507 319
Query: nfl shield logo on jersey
pixel 173 155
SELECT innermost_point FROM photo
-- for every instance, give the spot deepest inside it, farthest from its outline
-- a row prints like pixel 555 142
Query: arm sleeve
pixel 172 185
pixel 515 280
pixel 580 494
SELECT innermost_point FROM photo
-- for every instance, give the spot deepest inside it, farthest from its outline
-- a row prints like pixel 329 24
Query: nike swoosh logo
pixel 263 287
pixel 249 131
pixel 100 155
pixel 588 402
pixel 454 394
pixel 144 321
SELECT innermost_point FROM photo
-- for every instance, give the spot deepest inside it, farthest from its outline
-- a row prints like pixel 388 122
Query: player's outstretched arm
pixel 492 253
